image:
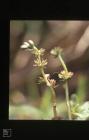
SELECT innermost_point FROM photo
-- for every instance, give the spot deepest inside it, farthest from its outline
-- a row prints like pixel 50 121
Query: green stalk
pixel 68 101
pixel 66 89
pixel 52 91
pixel 62 62
pixel 54 101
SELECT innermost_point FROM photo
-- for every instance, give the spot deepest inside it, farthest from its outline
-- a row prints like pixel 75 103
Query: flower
pixel 28 45
pixel 65 75
pixel 25 45
pixel 39 52
pixel 40 63
pixel 52 82
pixel 56 51
pixel 31 42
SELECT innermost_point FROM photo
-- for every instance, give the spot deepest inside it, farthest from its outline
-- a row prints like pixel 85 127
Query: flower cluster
pixel 41 63
pixel 52 82
pixel 39 52
pixel 28 45
pixel 65 75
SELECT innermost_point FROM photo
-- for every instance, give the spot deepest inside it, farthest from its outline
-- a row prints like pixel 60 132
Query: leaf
pixel 83 111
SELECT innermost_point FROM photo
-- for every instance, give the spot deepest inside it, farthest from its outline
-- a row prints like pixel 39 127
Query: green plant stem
pixel 68 101
pixel 42 71
pixel 54 101
pixel 52 91
pixel 63 63
pixel 45 78
pixel 66 89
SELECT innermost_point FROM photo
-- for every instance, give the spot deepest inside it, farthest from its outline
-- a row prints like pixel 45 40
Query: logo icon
pixel 7 132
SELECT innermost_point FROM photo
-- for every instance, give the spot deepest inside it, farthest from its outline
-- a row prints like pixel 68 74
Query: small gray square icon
pixel 7 132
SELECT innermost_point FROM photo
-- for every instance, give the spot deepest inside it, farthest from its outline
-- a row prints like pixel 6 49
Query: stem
pixel 63 63
pixel 54 101
pixel 67 100
pixel 53 93
pixel 43 74
pixel 66 89
pixel 50 86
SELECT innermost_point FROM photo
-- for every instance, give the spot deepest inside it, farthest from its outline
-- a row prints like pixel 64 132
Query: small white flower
pixel 23 46
pixel 26 43
pixel 31 42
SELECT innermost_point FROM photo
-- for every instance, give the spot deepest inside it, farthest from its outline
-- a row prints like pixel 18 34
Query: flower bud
pixel 23 46
pixel 31 42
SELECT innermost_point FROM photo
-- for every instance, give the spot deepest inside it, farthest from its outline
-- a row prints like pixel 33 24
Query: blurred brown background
pixel 72 36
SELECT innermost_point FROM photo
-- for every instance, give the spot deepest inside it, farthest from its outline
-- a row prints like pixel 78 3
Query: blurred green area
pixel 27 99
pixel 41 108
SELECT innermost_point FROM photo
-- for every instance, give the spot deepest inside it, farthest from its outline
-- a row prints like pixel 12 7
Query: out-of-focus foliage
pixel 81 90
pixel 83 111
pixel 80 107
pixel 24 112
pixel 43 111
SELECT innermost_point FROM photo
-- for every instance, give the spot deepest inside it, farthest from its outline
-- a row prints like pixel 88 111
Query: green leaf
pixel 83 111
